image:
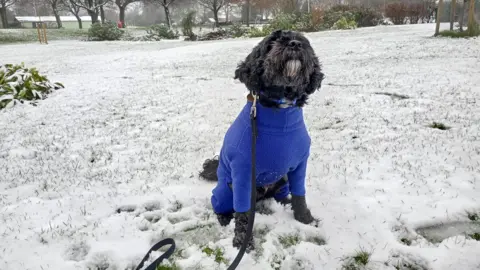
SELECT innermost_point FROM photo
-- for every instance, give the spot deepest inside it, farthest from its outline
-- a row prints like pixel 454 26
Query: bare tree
pixel 4 4
pixel 166 7
pixel 122 6
pixel 56 7
pixel 91 6
pixel 214 6
pixel 70 6
pixel 453 10
pixel 472 25
pixel 439 14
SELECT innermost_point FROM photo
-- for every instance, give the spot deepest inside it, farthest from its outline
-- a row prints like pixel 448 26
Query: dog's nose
pixel 294 44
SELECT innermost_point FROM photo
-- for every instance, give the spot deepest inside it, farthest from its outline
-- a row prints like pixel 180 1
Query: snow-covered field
pixel 100 170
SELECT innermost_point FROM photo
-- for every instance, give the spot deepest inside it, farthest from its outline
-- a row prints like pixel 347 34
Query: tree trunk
pixel 57 16
pixel 453 10
pixel 472 25
pixel 248 13
pixel 122 15
pixel 439 14
pixel 167 16
pixel 1 18
pixel 80 25
pixel 93 15
pixel 462 15
pixel 215 16
pixel 227 7
pixel 102 14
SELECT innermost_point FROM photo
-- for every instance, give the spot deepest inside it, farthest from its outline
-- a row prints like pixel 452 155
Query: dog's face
pixel 282 65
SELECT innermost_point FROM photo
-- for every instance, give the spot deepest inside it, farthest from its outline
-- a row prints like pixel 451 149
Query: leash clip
pixel 253 110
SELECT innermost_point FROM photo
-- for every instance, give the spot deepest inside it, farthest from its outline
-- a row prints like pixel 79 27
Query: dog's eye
pixel 284 39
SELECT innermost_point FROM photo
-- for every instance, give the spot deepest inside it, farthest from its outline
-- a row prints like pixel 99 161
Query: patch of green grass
pixel 217 253
pixel 475 236
pixel 362 257
pixel 289 240
pixel 317 240
pixel 172 266
pixel 454 34
pixel 406 241
pixel 472 31
pixel 439 126
pixel 11 36
pixel 358 261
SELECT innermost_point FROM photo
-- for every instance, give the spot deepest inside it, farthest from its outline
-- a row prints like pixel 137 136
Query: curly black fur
pixel 264 69
pixel 210 167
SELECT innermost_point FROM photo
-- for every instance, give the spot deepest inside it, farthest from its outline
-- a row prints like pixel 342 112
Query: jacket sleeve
pixel 296 178
pixel 241 170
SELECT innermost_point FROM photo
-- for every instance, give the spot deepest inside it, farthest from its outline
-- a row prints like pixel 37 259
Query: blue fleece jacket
pixel 283 147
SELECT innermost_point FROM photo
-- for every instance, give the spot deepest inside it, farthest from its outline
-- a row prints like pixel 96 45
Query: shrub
pixel 187 26
pixel 237 30
pixel 259 32
pixel 343 23
pixel 414 12
pixel 332 16
pixel 216 35
pixel 159 32
pixel 397 12
pixel 363 16
pixel 317 17
pixel 305 23
pixel 106 31
pixel 19 84
pixel 283 21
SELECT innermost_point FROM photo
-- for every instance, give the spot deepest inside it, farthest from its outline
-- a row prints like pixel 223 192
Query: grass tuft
pixel 362 258
pixel 475 236
pixel 358 261
pixel 406 241
pixel 217 253
pixel 172 266
pixel 289 240
pixel 473 216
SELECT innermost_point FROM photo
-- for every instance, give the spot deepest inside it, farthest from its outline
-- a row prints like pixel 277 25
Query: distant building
pixel 67 21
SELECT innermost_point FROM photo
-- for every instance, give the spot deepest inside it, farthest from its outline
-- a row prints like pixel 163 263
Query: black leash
pixel 253 196
pixel 157 246
pixel 251 216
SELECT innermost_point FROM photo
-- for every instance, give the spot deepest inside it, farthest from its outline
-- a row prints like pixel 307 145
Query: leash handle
pixel 157 246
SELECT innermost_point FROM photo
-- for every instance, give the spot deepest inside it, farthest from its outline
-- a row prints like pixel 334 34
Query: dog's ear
pixel 316 79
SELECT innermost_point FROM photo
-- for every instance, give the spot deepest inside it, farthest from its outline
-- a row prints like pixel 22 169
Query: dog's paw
pixel 241 223
pixel 301 212
pixel 224 219
pixel 304 216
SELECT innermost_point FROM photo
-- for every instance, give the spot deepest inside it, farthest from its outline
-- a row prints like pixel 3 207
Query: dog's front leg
pixel 300 210
pixel 296 179
pixel 241 204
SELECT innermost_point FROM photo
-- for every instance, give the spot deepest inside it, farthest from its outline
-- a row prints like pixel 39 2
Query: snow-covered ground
pixel 100 170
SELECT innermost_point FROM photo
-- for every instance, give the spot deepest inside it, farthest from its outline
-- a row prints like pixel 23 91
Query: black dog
pixel 282 71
